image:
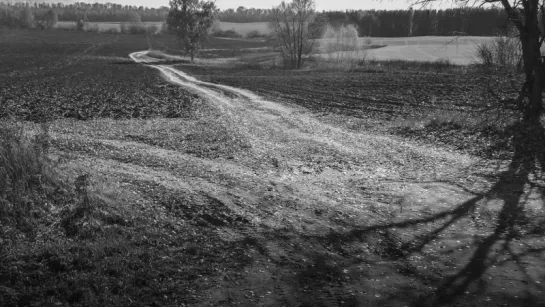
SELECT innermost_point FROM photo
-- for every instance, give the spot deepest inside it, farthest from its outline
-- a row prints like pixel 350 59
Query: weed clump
pixel 25 177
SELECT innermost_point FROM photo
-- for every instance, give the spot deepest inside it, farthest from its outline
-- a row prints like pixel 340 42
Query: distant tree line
pixel 400 23
pixel 403 23
pixel 245 15
pixel 14 14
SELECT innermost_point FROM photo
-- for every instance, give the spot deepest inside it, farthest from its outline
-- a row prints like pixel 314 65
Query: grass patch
pixel 26 180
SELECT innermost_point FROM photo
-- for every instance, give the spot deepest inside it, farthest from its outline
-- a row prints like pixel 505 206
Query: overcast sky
pixel 321 4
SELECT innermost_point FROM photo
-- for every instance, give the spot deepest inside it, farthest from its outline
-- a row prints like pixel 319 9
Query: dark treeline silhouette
pixel 242 14
pixel 96 12
pixel 403 23
pixel 400 23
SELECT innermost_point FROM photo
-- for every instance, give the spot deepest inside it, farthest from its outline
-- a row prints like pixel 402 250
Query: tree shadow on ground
pixel 507 241
pixel 512 223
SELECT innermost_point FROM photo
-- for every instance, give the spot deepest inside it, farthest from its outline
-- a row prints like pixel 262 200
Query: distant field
pixel 245 28
pixel 425 48
pixel 457 50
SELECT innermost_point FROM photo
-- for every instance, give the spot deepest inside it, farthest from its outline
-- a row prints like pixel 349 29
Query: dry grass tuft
pixel 25 174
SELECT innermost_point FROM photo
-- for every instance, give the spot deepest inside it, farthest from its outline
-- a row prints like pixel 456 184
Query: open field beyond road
pixel 458 50
pixel 259 190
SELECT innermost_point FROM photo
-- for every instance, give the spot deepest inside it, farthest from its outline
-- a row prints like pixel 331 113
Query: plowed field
pixel 361 94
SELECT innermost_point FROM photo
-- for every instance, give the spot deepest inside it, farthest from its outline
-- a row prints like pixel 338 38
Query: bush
pixel 48 21
pixel 23 173
pixel 81 25
pixel 503 52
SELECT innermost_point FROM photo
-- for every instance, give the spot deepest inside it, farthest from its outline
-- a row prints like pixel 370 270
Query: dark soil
pixel 61 74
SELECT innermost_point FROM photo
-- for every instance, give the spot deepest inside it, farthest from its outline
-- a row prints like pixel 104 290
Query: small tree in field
pixel 294 26
pixel 190 21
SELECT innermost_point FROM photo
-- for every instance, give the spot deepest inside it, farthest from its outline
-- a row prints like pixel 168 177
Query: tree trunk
pixel 533 67
pixel 528 138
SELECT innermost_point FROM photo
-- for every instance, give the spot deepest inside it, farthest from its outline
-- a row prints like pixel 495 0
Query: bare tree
pixel 295 30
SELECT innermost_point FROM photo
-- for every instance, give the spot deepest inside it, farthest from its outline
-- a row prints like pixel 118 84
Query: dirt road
pixel 325 216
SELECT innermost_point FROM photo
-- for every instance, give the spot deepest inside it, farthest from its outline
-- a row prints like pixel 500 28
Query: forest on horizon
pixel 378 23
